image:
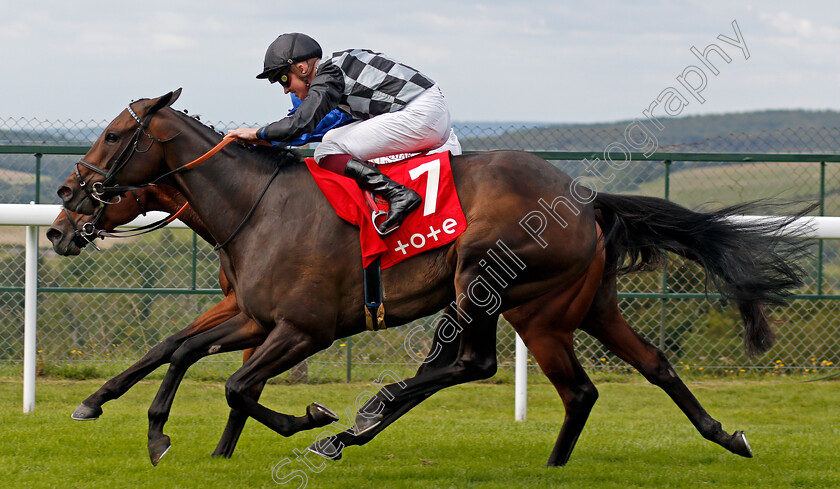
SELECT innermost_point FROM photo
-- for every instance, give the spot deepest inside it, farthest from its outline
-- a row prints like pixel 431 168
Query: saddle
pixel 438 222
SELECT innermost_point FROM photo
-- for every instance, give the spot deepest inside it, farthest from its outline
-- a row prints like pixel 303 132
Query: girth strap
pixel 374 308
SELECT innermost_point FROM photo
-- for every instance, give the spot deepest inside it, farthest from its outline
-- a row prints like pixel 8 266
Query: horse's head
pixel 71 231
pixel 129 137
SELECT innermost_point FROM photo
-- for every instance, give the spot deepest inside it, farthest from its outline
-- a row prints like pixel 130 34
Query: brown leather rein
pixel 89 231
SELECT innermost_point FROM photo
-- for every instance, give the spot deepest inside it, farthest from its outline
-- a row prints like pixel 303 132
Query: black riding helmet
pixel 287 50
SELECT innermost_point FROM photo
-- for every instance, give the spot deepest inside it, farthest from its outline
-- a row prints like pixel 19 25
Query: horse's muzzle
pixel 76 200
pixel 63 243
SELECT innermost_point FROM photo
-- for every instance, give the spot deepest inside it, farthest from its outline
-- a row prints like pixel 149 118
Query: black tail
pixel 751 263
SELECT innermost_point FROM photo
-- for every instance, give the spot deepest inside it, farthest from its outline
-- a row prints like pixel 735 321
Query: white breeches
pixel 424 124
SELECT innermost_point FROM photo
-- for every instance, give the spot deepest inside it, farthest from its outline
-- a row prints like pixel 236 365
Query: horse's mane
pixel 273 155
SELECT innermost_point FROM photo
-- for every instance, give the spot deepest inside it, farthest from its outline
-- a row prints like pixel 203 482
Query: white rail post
pixel 521 389
pixel 30 318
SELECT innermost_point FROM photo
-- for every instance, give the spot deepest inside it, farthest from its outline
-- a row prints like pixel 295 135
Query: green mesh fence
pixel 103 332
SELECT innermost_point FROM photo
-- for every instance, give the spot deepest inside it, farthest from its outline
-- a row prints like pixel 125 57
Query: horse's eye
pixel 111 138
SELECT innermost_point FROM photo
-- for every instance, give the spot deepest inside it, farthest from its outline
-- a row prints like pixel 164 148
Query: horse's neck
pixel 171 201
pixel 221 190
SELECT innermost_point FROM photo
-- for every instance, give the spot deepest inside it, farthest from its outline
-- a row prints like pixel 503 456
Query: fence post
pixel 30 302
pixel 30 318
pixel 521 388
pixel 820 244
pixel 194 260
pixel 663 312
pixel 349 358
pixel 38 177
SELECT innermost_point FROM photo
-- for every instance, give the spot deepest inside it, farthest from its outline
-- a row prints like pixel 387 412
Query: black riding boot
pixel 401 200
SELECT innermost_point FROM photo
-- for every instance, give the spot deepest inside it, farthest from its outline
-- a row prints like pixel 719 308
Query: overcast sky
pixel 535 61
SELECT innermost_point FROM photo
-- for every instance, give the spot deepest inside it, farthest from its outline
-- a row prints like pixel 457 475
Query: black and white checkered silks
pixel 400 109
pixel 375 84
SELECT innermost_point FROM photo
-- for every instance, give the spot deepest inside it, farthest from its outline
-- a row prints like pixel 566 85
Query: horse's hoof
pixel 86 413
pixel 222 454
pixel 327 448
pixel 158 448
pixel 366 423
pixel 740 445
pixel 320 415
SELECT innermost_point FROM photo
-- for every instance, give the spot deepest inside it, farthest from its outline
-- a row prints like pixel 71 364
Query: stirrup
pixel 376 215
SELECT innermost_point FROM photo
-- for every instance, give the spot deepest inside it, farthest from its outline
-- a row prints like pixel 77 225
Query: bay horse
pixel 296 271
pixel 70 232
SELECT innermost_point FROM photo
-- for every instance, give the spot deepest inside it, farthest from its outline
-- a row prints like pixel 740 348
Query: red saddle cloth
pixel 438 220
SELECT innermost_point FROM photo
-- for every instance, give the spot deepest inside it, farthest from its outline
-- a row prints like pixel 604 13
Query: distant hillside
pixel 772 131
pixel 722 132
pixel 511 135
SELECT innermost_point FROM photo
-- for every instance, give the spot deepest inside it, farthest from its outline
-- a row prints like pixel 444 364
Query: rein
pixel 148 228
pixel 250 212
pixel 99 190
pixel 88 231
pixel 194 163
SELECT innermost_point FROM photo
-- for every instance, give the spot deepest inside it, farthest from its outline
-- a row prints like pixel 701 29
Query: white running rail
pixel 34 215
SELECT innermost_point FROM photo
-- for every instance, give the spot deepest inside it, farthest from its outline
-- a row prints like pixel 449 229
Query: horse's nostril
pixel 53 235
pixel 65 193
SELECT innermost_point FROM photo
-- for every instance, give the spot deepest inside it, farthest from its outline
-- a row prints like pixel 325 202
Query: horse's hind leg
pixel 547 325
pixel 556 357
pixel 442 353
pixel 606 323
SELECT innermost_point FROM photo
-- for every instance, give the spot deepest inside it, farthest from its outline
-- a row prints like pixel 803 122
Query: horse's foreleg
pixel 285 347
pixel 612 330
pixel 236 420
pixel 475 360
pixel 236 333
pixel 91 408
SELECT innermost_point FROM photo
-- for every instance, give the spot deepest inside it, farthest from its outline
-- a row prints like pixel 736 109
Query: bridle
pixel 99 190
pixel 86 233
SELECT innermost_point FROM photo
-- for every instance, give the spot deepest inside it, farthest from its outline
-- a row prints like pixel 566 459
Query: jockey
pixel 332 120
pixel 399 110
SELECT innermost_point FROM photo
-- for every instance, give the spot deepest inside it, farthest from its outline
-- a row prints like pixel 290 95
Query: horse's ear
pixel 164 101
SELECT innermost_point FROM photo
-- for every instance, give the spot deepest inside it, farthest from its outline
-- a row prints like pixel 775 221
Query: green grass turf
pixel 462 437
